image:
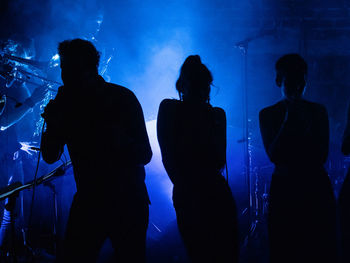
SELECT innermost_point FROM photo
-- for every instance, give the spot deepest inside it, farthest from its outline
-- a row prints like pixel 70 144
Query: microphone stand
pixel 251 210
pixel 55 222
pixel 14 189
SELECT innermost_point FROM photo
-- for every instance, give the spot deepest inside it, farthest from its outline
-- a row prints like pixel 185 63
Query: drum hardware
pixel 13 190
pixel 48 81
pixel 12 72
pixel 33 63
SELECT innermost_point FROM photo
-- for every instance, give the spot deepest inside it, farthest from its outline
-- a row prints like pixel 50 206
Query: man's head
pixel 291 71
pixel 79 60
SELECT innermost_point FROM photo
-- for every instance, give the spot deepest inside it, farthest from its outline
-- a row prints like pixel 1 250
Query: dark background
pixel 149 40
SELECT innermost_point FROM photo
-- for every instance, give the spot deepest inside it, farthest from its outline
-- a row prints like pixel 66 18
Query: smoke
pixel 145 43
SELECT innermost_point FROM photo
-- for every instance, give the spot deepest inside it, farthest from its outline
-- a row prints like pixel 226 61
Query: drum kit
pixel 14 71
pixel 13 68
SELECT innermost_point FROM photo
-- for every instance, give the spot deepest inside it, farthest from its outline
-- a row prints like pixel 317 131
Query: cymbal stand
pixel 55 222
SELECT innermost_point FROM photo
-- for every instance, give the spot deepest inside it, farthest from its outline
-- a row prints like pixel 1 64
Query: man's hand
pixel 53 115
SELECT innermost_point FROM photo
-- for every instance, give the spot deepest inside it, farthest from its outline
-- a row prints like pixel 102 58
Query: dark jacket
pixel 105 133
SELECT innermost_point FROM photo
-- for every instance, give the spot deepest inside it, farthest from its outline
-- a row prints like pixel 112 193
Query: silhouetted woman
pixel 192 138
pixel 295 133
pixel 344 198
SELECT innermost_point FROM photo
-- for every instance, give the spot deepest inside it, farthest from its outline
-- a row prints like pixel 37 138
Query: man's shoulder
pixel 118 91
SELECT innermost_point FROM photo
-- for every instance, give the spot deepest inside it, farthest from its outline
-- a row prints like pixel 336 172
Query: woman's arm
pixel 219 142
pixel 275 139
pixel 278 130
pixel 165 136
pixel 303 134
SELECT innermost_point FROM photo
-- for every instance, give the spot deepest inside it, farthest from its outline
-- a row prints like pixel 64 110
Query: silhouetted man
pixel 104 129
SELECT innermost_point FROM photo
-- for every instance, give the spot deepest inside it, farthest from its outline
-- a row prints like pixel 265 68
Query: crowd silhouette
pixel 112 199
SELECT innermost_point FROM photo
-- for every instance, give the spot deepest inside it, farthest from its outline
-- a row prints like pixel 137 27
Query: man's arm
pixel 13 113
pixel 134 140
pixel 51 146
pixel 52 140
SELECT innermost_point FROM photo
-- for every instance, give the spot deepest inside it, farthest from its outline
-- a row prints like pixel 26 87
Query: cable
pixel 35 177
